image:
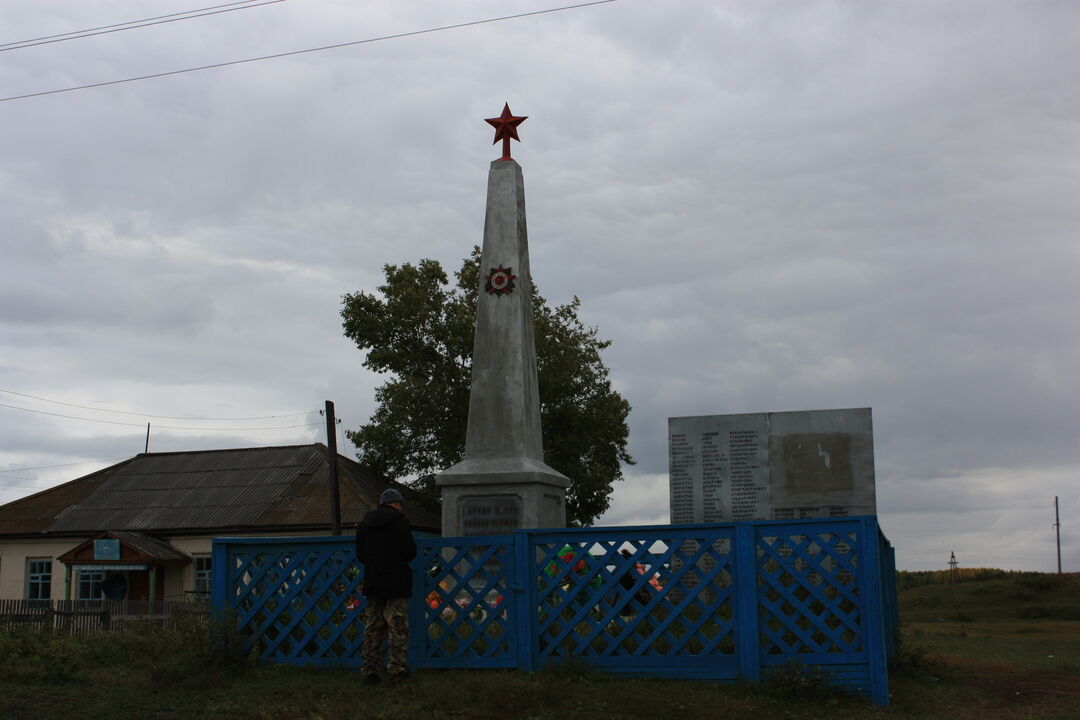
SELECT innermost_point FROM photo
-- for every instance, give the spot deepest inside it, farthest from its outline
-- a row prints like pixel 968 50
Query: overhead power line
pixel 49 467
pixel 225 429
pixel 302 52
pixel 159 427
pixel 71 417
pixel 133 24
pixel 150 415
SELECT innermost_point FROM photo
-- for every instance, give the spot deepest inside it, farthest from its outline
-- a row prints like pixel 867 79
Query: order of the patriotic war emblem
pixel 500 281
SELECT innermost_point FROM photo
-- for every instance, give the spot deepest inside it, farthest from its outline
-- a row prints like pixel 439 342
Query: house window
pixel 204 565
pixel 38 578
pixel 90 584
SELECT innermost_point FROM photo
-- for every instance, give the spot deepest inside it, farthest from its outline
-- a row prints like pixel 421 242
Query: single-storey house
pixel 142 529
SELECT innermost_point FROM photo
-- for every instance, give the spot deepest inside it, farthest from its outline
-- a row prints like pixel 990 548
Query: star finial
pixel 505 128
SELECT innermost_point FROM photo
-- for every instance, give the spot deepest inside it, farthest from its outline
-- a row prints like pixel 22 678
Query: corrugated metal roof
pixel 252 487
pixel 188 490
pixel 35 513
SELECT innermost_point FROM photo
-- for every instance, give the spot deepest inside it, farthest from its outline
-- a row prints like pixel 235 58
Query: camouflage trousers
pixel 385 618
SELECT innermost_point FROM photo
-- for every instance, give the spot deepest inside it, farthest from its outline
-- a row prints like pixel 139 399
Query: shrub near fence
pixel 722 601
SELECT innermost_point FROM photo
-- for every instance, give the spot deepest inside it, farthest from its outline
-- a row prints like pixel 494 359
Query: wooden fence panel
pixel 81 617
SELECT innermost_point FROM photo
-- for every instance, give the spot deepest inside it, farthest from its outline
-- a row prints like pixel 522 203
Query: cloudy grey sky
pixel 766 206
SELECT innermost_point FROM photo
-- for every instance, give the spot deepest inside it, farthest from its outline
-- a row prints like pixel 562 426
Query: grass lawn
pixel 968 669
pixel 1035 646
pixel 950 691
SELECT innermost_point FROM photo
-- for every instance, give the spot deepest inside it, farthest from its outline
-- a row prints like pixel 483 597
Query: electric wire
pixel 131 24
pixel 17 488
pixel 159 427
pixel 226 429
pixel 149 415
pixel 49 467
pixel 305 51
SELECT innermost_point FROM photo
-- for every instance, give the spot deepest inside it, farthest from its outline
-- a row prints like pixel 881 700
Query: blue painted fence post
pixel 523 610
pixel 870 597
pixel 417 608
pixel 746 611
pixel 220 578
pixel 221 581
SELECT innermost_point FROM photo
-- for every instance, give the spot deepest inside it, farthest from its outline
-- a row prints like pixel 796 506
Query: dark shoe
pixel 372 679
pixel 400 676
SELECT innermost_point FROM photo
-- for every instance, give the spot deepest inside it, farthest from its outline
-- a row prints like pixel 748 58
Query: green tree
pixel 418 328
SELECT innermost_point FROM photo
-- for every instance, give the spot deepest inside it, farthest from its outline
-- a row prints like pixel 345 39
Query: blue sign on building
pixel 107 549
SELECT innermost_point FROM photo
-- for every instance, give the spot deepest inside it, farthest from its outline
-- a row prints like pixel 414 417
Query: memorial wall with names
pixel 771 466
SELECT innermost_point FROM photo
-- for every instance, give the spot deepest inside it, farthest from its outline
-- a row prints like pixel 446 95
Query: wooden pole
pixel 1057 530
pixel 331 446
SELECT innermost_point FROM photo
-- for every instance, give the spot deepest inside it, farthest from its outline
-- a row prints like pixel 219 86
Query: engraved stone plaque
pixel 490 514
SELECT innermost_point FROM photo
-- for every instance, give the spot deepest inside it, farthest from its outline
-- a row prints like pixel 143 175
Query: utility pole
pixel 954 570
pixel 331 445
pixel 146 449
pixel 1057 531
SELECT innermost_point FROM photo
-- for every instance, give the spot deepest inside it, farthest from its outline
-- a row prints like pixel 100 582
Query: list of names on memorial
pixel 712 477
pixel 682 483
pixel 719 470
pixel 772 466
pixel 746 500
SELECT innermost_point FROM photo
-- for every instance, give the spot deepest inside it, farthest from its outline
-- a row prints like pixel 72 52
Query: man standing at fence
pixel 385 546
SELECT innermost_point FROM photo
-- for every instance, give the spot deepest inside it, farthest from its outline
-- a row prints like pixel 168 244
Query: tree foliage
pixel 418 329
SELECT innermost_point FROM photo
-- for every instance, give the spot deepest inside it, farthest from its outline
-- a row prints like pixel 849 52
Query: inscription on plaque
pixel 761 466
pixel 490 514
pixel 682 483
pixel 745 471
pixel 713 460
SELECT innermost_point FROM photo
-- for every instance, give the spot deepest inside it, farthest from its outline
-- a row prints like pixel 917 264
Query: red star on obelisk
pixel 505 128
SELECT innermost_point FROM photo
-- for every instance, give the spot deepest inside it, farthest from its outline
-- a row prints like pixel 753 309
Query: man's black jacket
pixel 385 545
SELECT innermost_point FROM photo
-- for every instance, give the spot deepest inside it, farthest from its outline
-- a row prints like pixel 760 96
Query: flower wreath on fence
pixel 435 600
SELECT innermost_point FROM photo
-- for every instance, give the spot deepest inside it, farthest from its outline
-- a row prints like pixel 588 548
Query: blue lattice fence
pixel 467 603
pixel 820 601
pixel 721 601
pixel 295 600
pixel 656 601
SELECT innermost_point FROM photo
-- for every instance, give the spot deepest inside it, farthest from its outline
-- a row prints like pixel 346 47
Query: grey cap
pixel 390 495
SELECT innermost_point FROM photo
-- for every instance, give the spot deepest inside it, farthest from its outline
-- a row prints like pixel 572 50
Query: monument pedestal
pixel 500 495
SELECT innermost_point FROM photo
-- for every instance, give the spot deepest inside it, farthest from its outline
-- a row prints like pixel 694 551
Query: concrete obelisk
pixel 502 484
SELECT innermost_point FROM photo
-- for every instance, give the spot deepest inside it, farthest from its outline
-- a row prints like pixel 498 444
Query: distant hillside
pixel 999 595
pixel 906 579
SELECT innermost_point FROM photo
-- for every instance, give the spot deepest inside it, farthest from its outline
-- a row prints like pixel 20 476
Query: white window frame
pixel 34 579
pixel 203 575
pixel 89 580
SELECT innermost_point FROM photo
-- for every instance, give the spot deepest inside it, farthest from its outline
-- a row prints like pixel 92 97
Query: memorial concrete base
pixel 493 496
